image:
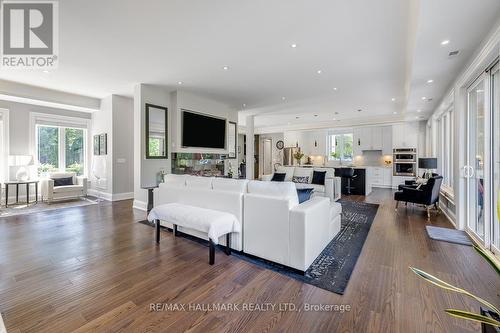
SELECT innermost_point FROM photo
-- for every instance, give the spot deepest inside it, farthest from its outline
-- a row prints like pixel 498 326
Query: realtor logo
pixel 30 35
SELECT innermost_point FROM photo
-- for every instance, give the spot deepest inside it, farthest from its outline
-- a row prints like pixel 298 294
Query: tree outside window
pixel 340 147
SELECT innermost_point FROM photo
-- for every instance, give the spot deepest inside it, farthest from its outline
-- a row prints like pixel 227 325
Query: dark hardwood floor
pixel 95 269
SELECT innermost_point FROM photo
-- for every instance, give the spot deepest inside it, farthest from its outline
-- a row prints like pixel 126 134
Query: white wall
pixel 102 123
pixel 123 141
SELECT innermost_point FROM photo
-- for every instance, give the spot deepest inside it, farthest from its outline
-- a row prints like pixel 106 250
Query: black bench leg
pixel 157 231
pixel 211 252
pixel 174 230
pixel 228 244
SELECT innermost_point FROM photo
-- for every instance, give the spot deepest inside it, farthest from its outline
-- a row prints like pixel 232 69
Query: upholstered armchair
pixel 63 185
pixel 427 194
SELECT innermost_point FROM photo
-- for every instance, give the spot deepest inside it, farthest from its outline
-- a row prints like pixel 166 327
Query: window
pixel 340 147
pixel 61 149
pixel 445 148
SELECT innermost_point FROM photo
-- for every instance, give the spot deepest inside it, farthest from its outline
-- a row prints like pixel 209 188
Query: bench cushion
pixel 213 222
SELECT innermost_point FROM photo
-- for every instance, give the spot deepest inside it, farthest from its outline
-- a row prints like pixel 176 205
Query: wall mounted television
pixel 202 131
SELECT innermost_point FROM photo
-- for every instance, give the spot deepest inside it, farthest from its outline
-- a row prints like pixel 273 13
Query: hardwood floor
pixel 94 269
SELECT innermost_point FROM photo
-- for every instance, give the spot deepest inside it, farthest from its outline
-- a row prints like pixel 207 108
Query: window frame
pixel 329 145
pixel 445 141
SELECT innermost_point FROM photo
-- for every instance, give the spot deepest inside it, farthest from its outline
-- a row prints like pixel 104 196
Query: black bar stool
pixel 348 173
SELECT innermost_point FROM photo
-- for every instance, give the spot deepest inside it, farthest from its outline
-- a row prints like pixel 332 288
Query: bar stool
pixel 348 173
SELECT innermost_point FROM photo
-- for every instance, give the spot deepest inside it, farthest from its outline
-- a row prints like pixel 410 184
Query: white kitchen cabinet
pixel 380 177
pixel 386 140
pixel 405 135
pixel 376 138
pixel 357 136
pixel 370 138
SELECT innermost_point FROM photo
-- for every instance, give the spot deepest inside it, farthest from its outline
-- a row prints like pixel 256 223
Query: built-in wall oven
pixel 405 162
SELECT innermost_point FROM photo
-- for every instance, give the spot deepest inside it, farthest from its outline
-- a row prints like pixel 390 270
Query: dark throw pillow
pixel 319 177
pixel 63 181
pixel 278 177
pixel 301 180
pixel 304 194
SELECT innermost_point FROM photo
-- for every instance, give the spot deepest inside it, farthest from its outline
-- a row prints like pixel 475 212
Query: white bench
pixel 212 222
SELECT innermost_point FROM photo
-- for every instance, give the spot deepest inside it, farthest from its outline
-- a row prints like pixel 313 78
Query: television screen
pixel 203 131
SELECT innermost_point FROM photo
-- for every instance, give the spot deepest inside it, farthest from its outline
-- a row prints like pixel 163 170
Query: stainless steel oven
pixel 405 162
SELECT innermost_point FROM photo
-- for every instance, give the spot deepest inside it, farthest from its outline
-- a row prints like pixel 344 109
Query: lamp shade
pixel 20 160
pixel 428 163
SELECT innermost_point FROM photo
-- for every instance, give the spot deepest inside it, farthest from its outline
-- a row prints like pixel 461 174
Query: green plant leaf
pixel 434 280
pixel 488 259
pixel 472 316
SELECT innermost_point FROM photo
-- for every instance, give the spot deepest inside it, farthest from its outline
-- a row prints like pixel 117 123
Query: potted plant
pixel 489 315
pixel 298 156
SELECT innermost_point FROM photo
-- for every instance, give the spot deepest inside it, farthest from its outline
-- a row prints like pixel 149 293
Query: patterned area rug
pixel 43 206
pixel 333 267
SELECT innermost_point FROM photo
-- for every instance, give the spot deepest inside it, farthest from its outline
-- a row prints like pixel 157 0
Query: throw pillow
pixel 319 177
pixel 304 194
pixel 278 177
pixel 301 180
pixel 63 181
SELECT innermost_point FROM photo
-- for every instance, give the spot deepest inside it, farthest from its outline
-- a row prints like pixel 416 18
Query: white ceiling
pixel 372 51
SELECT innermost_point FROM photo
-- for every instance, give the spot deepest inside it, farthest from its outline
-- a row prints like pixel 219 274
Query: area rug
pixel 43 206
pixel 448 235
pixel 333 267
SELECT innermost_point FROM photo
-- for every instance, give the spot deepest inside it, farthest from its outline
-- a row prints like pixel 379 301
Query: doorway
pixel 267 157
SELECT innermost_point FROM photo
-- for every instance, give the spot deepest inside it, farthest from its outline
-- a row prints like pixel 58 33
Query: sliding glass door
pixel 483 158
pixel 495 103
pixel 476 157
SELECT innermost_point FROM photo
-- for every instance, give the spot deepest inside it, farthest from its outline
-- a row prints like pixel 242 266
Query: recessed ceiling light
pixel 393 99
pixel 244 105
pixel 225 68
pixel 419 110
pixel 297 117
pixel 334 118
pixel 288 123
pixel 445 42
pixel 359 110
pixel 430 81
pixel 394 112
pixel 318 71
pixel 315 115
pixel 180 82
pixel 424 98
pixel 283 98
pixel 336 112
pixel 335 88
pixel 46 71
pixel 293 45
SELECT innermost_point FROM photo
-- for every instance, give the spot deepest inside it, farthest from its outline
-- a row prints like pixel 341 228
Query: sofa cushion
pixel 282 190
pixel 176 180
pixel 330 172
pixel 63 181
pixel 288 170
pixel 300 180
pixel 317 188
pixel 278 177
pixel 68 188
pixel 230 185
pixel 318 177
pixel 304 172
pixel 199 182
pixel 304 194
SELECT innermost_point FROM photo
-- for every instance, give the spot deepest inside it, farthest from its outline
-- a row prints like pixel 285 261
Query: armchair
pixel 413 182
pixel 50 190
pixel 426 195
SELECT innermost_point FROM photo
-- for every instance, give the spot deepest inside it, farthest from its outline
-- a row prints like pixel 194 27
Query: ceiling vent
pixel 453 54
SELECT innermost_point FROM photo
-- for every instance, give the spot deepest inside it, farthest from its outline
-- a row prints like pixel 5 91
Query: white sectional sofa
pixel 331 189
pixel 274 225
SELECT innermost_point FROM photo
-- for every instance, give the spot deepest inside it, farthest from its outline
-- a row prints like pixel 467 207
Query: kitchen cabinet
pixel 359 183
pixel 380 177
pixel 372 138
pixel 387 140
pixel 405 135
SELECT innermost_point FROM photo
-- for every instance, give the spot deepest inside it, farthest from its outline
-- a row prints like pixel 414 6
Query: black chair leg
pixel 228 244
pixel 174 230
pixel 211 252
pixel 157 231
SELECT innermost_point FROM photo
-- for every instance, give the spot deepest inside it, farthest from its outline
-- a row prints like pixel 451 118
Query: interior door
pixel 475 170
pixel 267 160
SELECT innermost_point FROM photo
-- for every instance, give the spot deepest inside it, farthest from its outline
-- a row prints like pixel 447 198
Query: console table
pixel 16 184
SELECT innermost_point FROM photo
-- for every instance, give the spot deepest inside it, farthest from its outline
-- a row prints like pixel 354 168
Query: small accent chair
pixel 50 192
pixel 427 195
pixel 413 182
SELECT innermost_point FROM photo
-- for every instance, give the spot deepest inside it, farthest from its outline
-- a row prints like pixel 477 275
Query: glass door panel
pixel 495 103
pixel 476 154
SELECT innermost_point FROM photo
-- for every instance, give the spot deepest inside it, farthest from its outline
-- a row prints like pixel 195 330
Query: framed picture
pixel 103 144
pixel 96 144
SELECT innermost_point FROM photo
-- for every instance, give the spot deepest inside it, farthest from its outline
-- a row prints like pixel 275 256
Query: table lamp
pixel 427 163
pixel 21 161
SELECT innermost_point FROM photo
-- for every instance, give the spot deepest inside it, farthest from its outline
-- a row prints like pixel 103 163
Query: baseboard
pixel 110 196
pixel 140 205
pixel 123 196
pixel 444 210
